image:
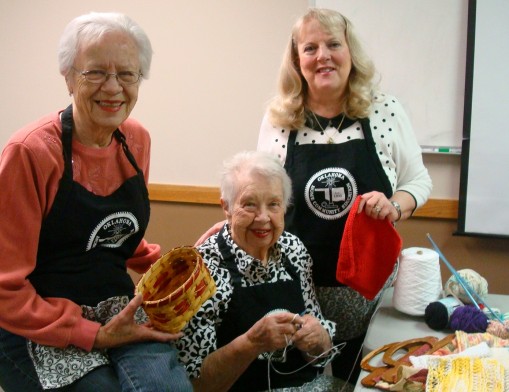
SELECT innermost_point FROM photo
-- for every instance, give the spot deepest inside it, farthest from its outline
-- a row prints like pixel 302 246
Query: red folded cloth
pixel 368 252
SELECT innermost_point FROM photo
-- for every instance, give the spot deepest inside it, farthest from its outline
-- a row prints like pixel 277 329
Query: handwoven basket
pixel 174 288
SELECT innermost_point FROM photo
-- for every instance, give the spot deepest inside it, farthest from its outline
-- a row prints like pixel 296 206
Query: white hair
pixel 93 25
pixel 253 162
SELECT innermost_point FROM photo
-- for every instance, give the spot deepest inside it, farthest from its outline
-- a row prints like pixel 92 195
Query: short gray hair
pixel 93 25
pixel 253 162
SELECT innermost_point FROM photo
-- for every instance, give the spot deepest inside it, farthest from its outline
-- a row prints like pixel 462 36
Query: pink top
pixel 31 166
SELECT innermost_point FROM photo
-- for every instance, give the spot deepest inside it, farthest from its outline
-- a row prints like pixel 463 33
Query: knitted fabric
pixel 465 374
pixel 465 340
pixel 368 252
pixel 482 350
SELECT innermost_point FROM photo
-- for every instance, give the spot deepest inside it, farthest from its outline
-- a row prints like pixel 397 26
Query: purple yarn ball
pixel 468 319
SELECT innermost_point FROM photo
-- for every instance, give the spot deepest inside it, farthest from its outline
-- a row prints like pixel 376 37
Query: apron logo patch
pixel 113 230
pixel 331 192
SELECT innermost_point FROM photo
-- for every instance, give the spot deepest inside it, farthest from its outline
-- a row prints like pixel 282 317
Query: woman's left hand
pixel 377 206
pixel 310 337
pixel 122 329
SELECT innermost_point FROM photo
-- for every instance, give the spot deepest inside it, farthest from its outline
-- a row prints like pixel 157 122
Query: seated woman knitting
pixel 263 328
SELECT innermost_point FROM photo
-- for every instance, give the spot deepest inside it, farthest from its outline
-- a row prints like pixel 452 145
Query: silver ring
pixel 377 209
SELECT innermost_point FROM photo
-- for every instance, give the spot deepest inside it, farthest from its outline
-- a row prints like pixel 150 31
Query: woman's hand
pixel 275 332
pixel 272 332
pixel 311 337
pixel 377 206
pixel 122 329
pixel 222 367
pixel 213 230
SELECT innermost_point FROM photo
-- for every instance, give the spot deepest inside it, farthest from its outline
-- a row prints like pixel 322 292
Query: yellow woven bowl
pixel 174 288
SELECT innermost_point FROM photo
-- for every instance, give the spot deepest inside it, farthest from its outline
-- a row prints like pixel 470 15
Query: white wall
pixel 419 49
pixel 214 69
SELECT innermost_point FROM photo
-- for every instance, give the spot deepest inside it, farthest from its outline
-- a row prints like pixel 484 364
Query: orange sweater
pixel 31 166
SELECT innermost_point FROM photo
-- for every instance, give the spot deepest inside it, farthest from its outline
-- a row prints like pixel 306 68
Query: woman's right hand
pixel 272 332
pixel 213 230
pixel 122 329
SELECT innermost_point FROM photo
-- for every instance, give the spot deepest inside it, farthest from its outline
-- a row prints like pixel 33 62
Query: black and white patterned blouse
pixel 200 337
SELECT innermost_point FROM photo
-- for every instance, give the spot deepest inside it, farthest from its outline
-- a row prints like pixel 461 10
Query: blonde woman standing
pixel 339 138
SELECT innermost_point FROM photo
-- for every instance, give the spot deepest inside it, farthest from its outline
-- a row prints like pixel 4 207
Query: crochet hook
pixel 463 283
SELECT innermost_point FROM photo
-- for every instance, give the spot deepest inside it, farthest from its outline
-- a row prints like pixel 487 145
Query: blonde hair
pixel 287 109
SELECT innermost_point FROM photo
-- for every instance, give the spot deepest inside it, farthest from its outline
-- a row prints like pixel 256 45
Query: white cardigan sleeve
pixel 412 175
pixel 272 139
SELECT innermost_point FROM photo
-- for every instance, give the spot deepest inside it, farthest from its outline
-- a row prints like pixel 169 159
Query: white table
pixel 390 325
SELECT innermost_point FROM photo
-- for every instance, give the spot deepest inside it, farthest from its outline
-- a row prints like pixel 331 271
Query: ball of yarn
pixel 437 314
pixel 468 319
pixel 475 281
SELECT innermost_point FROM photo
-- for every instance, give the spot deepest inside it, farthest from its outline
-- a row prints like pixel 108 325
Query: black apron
pixel 86 239
pixel 250 304
pixel 326 179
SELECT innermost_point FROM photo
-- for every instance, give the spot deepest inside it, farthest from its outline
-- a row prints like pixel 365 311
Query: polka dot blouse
pixel 396 144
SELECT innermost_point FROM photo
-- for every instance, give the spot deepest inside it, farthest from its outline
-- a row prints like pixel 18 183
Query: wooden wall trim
pixel 184 193
pixel 438 208
pixel 434 208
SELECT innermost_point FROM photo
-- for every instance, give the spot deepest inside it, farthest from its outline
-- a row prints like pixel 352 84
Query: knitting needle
pixel 463 283
pixel 456 275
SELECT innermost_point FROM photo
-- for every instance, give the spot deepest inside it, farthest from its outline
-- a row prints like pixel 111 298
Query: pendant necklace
pixel 330 140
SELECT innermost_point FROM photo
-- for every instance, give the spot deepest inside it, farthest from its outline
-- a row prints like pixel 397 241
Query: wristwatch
pixel 398 208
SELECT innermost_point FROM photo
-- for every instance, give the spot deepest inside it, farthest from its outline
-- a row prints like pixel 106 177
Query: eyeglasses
pixel 98 76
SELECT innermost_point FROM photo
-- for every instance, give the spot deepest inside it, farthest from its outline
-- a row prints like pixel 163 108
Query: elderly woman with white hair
pixel 263 328
pixel 74 207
